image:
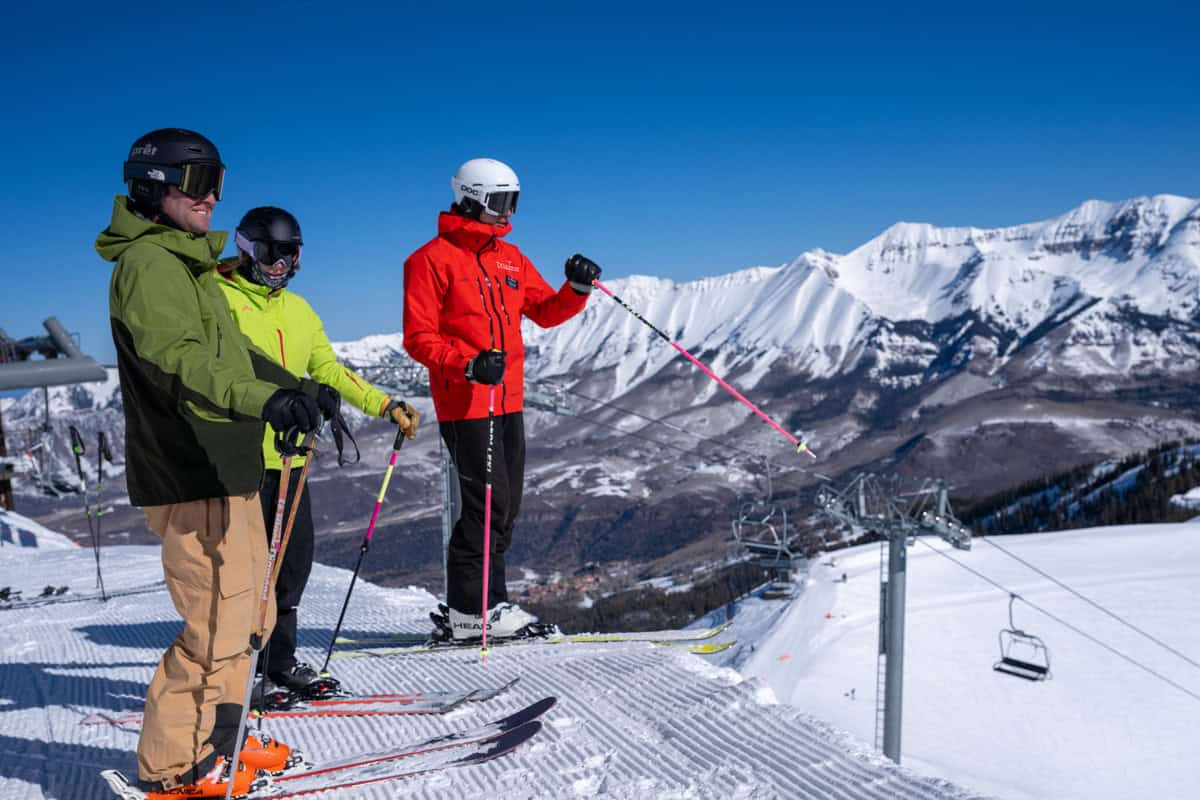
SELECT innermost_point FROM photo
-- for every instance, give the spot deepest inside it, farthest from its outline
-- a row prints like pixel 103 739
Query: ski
pixel 636 636
pixel 322 779
pixel 679 638
pixel 66 596
pixel 462 748
pixel 398 704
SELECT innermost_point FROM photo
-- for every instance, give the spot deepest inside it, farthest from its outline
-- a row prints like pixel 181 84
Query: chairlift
pixel 1022 654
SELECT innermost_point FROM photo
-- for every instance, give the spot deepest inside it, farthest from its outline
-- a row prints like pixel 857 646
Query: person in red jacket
pixel 465 292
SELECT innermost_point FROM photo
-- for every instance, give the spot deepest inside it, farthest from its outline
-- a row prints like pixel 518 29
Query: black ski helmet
pixel 172 157
pixel 268 235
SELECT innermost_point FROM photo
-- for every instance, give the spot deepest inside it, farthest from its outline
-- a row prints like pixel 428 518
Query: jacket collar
pixel 198 251
pixel 228 269
pixel 466 232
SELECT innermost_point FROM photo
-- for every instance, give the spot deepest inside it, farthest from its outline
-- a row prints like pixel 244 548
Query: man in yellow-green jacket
pixel 283 325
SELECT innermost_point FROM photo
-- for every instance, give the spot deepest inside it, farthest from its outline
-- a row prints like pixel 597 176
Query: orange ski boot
pixel 214 784
pixel 269 755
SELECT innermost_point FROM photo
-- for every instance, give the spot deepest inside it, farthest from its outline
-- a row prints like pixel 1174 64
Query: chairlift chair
pixel 1022 654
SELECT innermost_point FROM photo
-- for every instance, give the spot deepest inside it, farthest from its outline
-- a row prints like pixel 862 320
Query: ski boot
pixel 213 784
pixel 505 621
pixel 306 683
pixel 442 631
pixel 268 696
pixel 269 755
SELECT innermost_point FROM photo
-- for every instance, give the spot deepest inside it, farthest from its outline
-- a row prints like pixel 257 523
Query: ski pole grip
pixel 396 445
pixel 76 441
pixel 105 452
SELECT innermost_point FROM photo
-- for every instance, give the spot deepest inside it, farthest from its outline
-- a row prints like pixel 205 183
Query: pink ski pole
pixel 362 549
pixel 487 515
pixel 801 447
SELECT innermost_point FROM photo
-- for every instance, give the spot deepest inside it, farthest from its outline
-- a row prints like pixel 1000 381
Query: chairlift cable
pixel 1064 623
pixel 1090 602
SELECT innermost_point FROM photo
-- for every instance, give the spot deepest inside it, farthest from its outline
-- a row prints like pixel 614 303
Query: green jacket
pixel 283 325
pixel 192 387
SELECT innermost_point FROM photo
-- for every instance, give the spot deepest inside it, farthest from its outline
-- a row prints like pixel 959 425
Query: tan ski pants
pixel 214 556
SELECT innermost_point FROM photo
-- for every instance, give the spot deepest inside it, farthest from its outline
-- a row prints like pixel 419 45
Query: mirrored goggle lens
pixel 271 253
pixel 198 180
pixel 501 203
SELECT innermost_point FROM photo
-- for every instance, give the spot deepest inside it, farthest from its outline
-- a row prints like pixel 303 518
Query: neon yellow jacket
pixel 284 326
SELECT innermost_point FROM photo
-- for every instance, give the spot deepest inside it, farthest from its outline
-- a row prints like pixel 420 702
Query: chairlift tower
pixel 865 506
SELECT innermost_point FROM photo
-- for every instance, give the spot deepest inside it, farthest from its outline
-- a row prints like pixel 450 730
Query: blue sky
pixel 678 140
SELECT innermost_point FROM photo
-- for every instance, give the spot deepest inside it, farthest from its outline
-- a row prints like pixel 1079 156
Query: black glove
pixel 487 367
pixel 292 408
pixel 328 400
pixel 581 271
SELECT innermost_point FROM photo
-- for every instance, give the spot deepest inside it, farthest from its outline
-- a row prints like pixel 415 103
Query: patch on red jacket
pixel 512 282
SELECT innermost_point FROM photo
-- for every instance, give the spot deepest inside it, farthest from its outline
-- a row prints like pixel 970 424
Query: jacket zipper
pixel 282 357
pixel 218 341
pixel 495 310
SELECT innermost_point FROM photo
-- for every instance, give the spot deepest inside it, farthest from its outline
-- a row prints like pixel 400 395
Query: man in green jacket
pixel 282 324
pixel 195 395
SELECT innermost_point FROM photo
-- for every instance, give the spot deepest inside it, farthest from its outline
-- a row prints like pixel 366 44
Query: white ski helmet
pixel 485 184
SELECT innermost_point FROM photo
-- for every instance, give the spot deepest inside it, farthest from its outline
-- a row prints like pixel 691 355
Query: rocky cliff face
pixel 986 356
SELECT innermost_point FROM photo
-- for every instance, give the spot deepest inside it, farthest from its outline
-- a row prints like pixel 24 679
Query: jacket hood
pixel 466 232
pixel 199 253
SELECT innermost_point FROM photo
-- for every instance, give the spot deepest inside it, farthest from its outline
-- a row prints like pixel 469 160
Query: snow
pixel 634 720
pixel 18 532
pixel 787 712
pixel 1189 499
pixel 1100 728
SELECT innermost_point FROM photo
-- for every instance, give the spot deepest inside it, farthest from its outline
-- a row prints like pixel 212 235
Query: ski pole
pixel 279 538
pixel 362 549
pixel 487 516
pixel 801 447
pixel 103 453
pixel 79 450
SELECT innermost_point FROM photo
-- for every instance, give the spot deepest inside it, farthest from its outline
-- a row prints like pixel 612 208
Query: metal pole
pixel 894 689
pixel 6 494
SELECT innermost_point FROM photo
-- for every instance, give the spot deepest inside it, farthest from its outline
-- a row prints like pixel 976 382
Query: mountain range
pixel 986 357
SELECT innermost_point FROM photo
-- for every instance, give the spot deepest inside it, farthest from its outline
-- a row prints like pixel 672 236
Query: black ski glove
pixel 487 367
pixel 292 408
pixel 328 400
pixel 581 271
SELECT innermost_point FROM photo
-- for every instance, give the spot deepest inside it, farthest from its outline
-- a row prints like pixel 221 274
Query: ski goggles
pixel 501 203
pixel 271 254
pixel 194 180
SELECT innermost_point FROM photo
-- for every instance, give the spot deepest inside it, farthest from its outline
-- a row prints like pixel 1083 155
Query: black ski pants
pixel 280 654
pixel 467 441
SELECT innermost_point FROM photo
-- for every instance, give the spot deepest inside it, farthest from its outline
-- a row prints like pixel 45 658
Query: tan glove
pixel 404 415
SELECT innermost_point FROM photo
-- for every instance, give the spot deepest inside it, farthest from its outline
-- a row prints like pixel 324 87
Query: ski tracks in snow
pixel 633 720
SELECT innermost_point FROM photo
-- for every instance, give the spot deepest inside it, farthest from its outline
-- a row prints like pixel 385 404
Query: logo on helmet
pixel 469 190
pixel 146 149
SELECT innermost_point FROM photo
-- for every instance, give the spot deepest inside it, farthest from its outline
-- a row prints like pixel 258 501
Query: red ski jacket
pixel 466 291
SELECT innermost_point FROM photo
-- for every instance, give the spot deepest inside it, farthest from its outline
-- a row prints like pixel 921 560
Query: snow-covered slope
pixel 17 531
pixel 1101 728
pixel 633 721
